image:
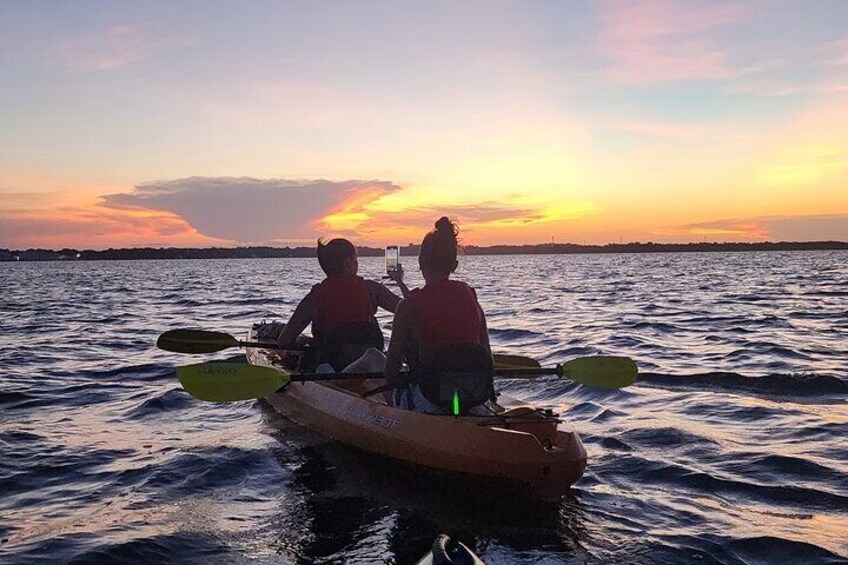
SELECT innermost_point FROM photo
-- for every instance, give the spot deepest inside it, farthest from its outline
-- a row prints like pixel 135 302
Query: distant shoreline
pixel 137 253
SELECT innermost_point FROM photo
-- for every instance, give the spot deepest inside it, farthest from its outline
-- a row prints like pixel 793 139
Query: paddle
pixel 222 382
pixel 202 341
pixel 515 362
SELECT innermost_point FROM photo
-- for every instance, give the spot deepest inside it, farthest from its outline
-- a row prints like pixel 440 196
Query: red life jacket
pixel 448 313
pixel 451 361
pixel 341 300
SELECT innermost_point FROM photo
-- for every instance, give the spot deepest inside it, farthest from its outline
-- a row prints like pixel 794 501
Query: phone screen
pixel 392 258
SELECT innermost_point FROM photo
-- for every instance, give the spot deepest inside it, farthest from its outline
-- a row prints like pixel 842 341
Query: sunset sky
pixel 195 123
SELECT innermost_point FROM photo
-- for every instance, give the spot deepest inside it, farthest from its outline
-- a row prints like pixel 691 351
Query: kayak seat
pixel 346 343
pixel 463 371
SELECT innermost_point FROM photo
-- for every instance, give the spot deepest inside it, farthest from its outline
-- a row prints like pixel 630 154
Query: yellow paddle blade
pixel 195 341
pixel 515 362
pixel 601 371
pixel 223 382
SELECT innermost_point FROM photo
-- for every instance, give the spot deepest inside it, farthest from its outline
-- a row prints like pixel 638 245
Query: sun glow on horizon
pixel 593 122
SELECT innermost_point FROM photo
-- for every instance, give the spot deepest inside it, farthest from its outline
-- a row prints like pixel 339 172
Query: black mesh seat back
pixel 347 343
pixel 463 369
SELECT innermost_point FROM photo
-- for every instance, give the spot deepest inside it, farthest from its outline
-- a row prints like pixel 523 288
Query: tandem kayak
pixel 527 448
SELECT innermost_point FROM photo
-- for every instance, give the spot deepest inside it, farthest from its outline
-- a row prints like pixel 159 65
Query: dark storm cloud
pixel 246 210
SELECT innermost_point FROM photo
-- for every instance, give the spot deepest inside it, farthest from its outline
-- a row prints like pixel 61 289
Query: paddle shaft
pixel 313 377
pixel 508 373
pixel 202 341
pixel 261 345
pixel 223 381
pixel 266 345
pixel 499 358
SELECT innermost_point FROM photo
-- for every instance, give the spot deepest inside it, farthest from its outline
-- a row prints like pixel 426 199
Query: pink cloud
pixel 830 227
pixel 24 200
pixel 116 47
pixel 658 41
pixel 835 53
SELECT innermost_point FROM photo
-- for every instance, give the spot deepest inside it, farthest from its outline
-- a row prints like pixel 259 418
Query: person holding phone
pixel 440 331
pixel 392 260
pixel 341 310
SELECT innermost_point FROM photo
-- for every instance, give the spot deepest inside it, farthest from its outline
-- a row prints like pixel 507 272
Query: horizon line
pixel 414 245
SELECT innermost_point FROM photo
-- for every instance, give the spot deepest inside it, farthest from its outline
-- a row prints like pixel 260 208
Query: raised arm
pixel 397 276
pixel 484 329
pixel 484 335
pixel 301 318
pixel 401 338
pixel 383 297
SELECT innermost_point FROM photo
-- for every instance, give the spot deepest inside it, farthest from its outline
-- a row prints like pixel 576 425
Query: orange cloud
pixel 54 211
pixel 481 223
pixel 728 230
pixel 98 228
pixel 28 189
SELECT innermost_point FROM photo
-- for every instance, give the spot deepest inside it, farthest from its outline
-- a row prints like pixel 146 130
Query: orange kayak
pixel 522 446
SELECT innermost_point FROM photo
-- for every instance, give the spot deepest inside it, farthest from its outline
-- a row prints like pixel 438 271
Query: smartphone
pixel 392 258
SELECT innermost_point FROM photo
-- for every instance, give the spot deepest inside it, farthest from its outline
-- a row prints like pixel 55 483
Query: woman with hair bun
pixel 440 330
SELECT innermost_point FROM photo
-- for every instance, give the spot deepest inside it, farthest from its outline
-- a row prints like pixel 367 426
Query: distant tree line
pixel 651 247
pixel 410 250
pixel 135 253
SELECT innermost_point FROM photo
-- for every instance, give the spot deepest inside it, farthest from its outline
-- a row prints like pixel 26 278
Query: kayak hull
pixel 521 446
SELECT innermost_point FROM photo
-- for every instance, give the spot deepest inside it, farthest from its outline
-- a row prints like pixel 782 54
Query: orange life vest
pixel 448 313
pixel 340 300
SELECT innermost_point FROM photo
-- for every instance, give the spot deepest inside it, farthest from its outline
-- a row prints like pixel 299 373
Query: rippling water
pixel 730 449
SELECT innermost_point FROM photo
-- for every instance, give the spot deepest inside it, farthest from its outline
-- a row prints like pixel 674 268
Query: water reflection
pixel 731 449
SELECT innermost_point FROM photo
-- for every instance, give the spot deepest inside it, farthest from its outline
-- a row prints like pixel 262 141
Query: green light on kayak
pixel 455 403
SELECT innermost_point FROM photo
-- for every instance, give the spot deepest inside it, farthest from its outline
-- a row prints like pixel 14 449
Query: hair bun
pixel 438 250
pixel 445 225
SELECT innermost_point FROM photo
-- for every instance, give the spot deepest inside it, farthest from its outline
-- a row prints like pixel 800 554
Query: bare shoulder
pixel 375 288
pixel 306 302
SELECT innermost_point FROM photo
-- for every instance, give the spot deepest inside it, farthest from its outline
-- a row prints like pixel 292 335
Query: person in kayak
pixel 440 330
pixel 341 309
